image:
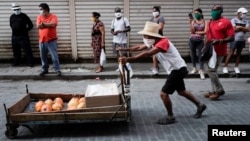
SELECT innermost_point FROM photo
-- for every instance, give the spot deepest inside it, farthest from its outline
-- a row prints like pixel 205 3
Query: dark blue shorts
pixel 175 81
pixel 237 44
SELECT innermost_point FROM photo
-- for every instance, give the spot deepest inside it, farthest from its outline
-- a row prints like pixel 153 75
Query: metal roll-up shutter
pixel 30 7
pixel 230 8
pixel 84 11
pixel 175 13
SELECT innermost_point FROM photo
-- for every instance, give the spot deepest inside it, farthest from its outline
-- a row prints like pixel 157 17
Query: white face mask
pixel 118 15
pixel 17 12
pixel 243 15
pixel 148 42
pixel 41 12
pixel 155 14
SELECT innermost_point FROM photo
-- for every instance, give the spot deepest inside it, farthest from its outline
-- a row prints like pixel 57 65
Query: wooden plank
pixel 20 106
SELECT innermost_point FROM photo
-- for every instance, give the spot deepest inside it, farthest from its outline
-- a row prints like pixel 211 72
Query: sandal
pixel 166 120
pixel 208 94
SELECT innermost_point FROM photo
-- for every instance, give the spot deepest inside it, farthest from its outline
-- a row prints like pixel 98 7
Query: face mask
pixel 155 14
pixel 197 16
pixel 118 15
pixel 41 12
pixel 148 42
pixel 243 15
pixel 215 15
pixel 17 12
pixel 92 19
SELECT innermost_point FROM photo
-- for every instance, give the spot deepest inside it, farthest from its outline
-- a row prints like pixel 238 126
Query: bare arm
pixel 205 30
pixel 143 54
pixel 139 47
pixel 192 27
pixel 102 30
pixel 241 28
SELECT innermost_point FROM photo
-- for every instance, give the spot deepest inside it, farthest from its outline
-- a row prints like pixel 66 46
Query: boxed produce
pixel 99 95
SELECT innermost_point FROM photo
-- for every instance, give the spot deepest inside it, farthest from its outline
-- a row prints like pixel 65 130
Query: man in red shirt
pixel 46 23
pixel 220 32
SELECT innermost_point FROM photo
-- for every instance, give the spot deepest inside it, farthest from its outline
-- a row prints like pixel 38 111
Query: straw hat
pixel 15 6
pixel 151 29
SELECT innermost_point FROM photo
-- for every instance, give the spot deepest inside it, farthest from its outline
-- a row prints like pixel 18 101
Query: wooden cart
pixel 22 113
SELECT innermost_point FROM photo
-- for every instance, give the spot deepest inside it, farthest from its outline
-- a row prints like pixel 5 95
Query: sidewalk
pixel 80 71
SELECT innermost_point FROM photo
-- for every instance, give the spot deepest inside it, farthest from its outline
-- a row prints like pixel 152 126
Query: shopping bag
pixel 103 58
pixel 213 59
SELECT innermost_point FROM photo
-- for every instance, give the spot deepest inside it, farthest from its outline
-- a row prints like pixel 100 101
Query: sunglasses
pixel 16 9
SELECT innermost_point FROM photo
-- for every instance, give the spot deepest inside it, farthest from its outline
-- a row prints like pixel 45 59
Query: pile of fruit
pixel 58 104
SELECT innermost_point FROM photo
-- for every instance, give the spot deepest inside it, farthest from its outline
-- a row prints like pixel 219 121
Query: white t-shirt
pixel 121 24
pixel 169 58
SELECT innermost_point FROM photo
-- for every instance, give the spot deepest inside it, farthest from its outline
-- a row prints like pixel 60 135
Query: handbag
pixel 207 52
pixel 103 58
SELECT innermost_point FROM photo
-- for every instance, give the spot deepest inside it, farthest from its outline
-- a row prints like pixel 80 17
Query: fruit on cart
pixel 81 105
pixel 74 101
pixel 49 101
pixel 38 105
pixel 72 107
pixel 46 108
pixel 82 99
pixel 57 106
pixel 58 100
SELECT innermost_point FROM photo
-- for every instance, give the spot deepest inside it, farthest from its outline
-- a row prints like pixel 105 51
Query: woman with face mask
pixel 198 29
pixel 157 18
pixel 98 39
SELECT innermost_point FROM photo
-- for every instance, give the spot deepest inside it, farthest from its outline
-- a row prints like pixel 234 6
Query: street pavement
pixel 147 108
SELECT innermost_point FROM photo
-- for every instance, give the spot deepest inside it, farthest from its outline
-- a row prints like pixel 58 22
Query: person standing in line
pixel 20 25
pixel 172 62
pixel 119 29
pixel 157 18
pixel 241 27
pixel 198 28
pixel 98 39
pixel 46 23
pixel 220 32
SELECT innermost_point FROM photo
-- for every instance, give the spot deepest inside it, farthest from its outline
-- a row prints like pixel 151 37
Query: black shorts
pixel 175 81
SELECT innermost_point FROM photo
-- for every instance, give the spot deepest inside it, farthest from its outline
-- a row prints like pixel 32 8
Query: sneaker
pixel 194 70
pixel 58 73
pixel 202 76
pixel 155 71
pixel 237 70
pixel 42 73
pixel 200 110
pixel 225 70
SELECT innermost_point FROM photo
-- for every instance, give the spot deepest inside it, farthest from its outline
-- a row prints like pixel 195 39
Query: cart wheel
pixel 11 133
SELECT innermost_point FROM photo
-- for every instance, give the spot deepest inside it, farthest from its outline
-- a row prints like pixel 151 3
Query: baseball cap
pixel 242 10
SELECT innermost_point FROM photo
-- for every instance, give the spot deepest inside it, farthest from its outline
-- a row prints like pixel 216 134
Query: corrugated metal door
pixel 175 13
pixel 30 7
pixel 84 11
pixel 229 10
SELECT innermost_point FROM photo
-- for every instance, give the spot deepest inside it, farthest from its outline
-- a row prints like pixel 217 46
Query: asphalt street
pixel 147 108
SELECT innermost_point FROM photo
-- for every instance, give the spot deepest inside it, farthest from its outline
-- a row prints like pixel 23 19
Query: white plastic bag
pixel 212 61
pixel 103 58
